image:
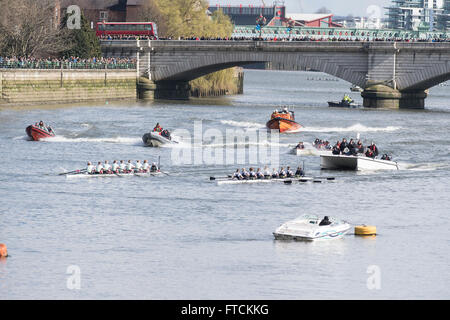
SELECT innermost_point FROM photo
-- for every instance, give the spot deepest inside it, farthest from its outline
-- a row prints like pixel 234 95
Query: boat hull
pixel 309 152
pixel 109 175
pixel 305 229
pixel 342 105
pixel 283 125
pixel 36 134
pixel 342 162
pixel 154 139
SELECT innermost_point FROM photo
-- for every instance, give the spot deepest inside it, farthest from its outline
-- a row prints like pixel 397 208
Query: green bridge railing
pixel 338 33
pixel 63 65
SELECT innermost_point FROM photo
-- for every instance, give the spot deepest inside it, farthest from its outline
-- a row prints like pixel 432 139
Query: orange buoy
pixel 365 230
pixel 3 251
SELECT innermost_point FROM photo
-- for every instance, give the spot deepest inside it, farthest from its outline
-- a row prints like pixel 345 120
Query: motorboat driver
pixel 325 221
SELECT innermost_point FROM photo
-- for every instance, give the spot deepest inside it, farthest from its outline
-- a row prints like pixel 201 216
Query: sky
pixel 337 7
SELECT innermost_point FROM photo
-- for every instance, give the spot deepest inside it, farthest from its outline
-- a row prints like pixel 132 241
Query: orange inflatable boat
pixel 284 121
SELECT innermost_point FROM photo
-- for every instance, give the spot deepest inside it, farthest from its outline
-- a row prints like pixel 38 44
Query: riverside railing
pixel 16 64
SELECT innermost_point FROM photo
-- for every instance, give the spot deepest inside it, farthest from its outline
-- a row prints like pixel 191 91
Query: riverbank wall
pixel 31 86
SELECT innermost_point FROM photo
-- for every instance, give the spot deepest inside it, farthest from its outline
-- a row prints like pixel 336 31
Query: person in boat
pixel 245 173
pixel 386 157
pixel 346 99
pixel 352 147
pixel 90 168
pixel 122 166
pixel 359 147
pixel 99 168
pixel 252 173
pixel 369 153
pixel 154 167
pixel 275 174
pixel 299 172
pixel 107 167
pixel 336 149
pixel 259 174
pixel 157 128
pixel 115 167
pixel 343 145
pixel 300 145
pixel 166 134
pixel 325 221
pixel 374 149
pixel 289 172
pixel 237 175
pixel 129 167
pixel 282 173
pixel 138 166
pixel 267 173
pixel 145 166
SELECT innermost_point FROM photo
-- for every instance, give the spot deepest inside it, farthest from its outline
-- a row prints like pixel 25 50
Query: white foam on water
pixel 123 140
pixel 243 124
pixel 422 166
pixel 354 128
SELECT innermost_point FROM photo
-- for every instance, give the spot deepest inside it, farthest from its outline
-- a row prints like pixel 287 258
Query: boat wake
pixel 423 166
pixel 243 124
pixel 354 128
pixel 121 140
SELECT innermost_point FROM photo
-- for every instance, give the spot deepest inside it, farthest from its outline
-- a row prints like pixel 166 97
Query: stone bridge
pixel 392 74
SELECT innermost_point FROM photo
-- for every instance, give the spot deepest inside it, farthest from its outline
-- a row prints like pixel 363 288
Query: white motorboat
pixel 155 139
pixel 309 228
pixel 359 162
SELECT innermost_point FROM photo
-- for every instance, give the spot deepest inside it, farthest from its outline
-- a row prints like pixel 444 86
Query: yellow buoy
pixel 365 230
pixel 3 251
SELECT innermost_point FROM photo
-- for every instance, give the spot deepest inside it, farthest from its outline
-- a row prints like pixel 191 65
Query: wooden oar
pixel 76 171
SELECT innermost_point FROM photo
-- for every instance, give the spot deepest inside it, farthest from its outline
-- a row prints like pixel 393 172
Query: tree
pixel 151 12
pixel 85 42
pixel 27 28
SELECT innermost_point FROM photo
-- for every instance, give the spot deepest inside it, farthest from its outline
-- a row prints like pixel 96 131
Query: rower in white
pixel 266 171
pixel 115 167
pixel 122 166
pixel 106 167
pixel 138 166
pixel 275 173
pixel 129 166
pixel 90 168
pixel 237 175
pixel 259 174
pixel 99 168
pixel 146 166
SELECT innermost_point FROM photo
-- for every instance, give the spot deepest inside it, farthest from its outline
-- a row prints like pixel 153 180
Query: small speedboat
pixel 283 121
pixel 309 228
pixel 359 162
pixel 157 139
pixel 37 133
pixel 343 104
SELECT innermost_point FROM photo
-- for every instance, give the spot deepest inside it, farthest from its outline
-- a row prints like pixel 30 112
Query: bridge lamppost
pixel 260 22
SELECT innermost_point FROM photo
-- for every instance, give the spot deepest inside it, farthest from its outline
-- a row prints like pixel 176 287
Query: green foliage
pixel 187 19
pixel 85 42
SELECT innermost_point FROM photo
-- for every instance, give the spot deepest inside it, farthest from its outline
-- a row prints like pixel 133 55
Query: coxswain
pixel 154 167
pixel 115 167
pixel 122 166
pixel 138 166
pixel 259 174
pixel 129 167
pixel 146 166
pixel 252 174
pixel 107 167
pixel 299 172
pixel 99 168
pixel 289 172
pixel 237 175
pixel 282 173
pixel 90 168
pixel 275 173
pixel 157 128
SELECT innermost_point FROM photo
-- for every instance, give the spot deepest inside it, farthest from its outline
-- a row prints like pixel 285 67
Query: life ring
pixel 365 230
pixel 3 250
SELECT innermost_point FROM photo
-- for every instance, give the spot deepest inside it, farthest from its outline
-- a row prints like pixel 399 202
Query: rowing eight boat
pixel 105 175
pixel 286 180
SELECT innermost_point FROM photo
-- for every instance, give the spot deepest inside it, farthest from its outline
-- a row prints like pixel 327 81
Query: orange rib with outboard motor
pixel 283 121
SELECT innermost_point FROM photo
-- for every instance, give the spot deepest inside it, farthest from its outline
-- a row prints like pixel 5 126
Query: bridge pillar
pixel 382 96
pixel 166 90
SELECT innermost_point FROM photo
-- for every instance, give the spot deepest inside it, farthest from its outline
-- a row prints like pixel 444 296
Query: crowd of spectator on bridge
pixel 67 63
pixel 277 38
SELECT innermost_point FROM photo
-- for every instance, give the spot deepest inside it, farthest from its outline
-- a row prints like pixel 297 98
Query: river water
pixel 181 236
